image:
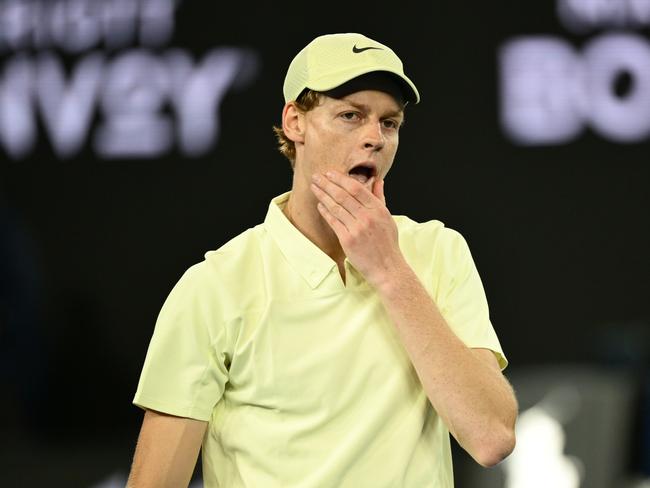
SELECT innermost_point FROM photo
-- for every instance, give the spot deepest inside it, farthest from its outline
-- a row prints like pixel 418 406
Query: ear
pixel 293 122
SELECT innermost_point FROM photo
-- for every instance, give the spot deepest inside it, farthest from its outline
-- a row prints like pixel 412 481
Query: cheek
pixel 392 141
pixel 326 143
pixel 387 168
pixel 317 136
pixel 391 145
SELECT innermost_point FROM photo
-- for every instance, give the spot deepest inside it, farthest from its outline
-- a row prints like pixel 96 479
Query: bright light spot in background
pixel 583 15
pixel 538 460
pixel 17 125
pixel 80 25
pixel 541 94
pixel 138 86
pixel 623 117
pixel 550 91
pixel 145 101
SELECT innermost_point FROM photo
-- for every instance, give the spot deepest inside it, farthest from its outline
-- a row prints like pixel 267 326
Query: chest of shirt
pixel 323 351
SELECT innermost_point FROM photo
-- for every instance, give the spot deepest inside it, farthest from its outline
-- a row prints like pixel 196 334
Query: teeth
pixel 359 177
pixel 367 182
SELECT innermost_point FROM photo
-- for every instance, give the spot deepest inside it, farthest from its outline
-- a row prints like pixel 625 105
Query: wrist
pixel 395 273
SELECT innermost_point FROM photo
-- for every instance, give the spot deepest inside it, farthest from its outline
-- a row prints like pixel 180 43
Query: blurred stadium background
pixel 135 135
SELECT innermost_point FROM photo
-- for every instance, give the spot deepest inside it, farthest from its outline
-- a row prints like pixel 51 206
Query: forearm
pixel 472 397
pixel 167 451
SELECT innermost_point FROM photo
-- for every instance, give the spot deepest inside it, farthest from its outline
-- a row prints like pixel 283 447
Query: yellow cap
pixel 333 59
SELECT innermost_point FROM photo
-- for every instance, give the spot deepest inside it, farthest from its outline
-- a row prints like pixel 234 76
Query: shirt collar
pixel 305 257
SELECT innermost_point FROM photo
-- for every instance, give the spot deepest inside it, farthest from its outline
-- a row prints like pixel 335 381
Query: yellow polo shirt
pixel 303 380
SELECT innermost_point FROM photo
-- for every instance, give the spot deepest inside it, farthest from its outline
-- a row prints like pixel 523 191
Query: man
pixel 334 345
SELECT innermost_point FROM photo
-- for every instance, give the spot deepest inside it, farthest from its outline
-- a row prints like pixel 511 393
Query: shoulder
pixel 433 250
pixel 219 261
pixel 228 278
pixel 430 236
pixel 231 255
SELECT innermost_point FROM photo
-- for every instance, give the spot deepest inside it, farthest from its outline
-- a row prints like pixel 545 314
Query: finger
pixel 378 191
pixel 359 192
pixel 337 226
pixel 334 208
pixel 338 194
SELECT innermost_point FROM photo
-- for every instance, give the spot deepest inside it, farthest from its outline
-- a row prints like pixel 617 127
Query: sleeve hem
pixel 500 357
pixel 172 409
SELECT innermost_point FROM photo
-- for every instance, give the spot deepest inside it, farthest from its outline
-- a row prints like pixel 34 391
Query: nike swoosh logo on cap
pixel 356 49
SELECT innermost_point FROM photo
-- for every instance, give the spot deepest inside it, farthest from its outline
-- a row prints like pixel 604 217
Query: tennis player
pixel 334 344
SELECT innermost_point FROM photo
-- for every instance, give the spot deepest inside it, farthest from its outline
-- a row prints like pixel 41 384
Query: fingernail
pixel 329 174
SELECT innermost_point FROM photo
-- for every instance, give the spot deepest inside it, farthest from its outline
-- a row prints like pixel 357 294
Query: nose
pixel 373 136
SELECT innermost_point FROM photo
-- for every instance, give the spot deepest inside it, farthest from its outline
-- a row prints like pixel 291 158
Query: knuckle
pixel 355 189
pixel 365 221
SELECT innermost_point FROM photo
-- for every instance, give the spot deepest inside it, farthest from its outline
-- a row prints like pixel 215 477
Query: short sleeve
pixel 463 302
pixel 184 372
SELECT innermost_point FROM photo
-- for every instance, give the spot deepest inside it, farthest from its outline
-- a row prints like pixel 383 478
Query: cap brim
pixel 335 80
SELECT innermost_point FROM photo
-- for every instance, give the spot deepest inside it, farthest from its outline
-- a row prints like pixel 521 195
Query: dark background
pixel 559 233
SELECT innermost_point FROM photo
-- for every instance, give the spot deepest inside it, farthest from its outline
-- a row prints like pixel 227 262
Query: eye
pixel 391 124
pixel 350 116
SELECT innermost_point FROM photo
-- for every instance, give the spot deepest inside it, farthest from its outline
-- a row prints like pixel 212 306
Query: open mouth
pixel 362 173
